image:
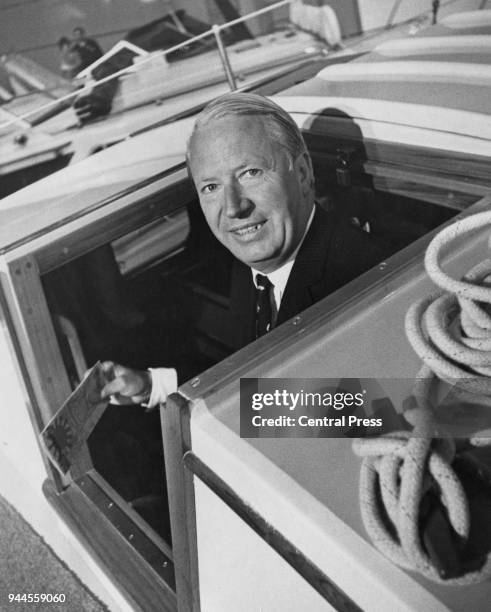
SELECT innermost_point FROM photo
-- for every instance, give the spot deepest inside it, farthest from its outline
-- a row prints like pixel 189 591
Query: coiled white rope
pixel 451 333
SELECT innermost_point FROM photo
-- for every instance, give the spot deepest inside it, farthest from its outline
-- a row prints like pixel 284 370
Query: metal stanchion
pixel 224 57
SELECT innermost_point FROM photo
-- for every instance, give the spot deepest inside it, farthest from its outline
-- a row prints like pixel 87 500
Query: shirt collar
pixel 279 277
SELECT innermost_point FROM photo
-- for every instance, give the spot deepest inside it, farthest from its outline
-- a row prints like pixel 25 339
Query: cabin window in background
pixel 394 191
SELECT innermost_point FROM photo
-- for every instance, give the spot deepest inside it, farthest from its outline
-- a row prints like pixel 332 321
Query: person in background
pixel 88 48
pixel 71 61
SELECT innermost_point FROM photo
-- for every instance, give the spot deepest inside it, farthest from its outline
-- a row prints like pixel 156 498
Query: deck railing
pixel 214 31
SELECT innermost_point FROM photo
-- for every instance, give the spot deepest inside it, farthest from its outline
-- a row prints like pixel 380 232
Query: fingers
pixel 108 368
pixel 114 383
pixel 124 384
pixel 116 386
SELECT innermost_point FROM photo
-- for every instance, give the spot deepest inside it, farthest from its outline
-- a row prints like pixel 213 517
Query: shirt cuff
pixel 164 382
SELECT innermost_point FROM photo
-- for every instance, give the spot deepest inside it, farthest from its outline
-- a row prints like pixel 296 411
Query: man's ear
pixel 305 172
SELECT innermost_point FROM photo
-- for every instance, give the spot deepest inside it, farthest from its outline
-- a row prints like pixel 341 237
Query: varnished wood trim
pixel 419 178
pixel 335 596
pixel 136 519
pixel 130 525
pixel 410 175
pixel 48 363
pixel 100 204
pixel 328 133
pixel 449 198
pixel 107 228
pixel 41 351
pixel 137 581
pixel 180 489
pixel 32 404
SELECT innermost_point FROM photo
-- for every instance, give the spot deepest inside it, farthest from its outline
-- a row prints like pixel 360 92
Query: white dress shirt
pixel 164 380
pixel 279 277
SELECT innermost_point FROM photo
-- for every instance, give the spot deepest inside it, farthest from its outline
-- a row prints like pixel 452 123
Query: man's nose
pixel 236 204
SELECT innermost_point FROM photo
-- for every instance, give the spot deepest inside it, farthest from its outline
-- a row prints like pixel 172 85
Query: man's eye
pixel 252 172
pixel 209 188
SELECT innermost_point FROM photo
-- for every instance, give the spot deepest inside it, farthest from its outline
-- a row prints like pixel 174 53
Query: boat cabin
pixel 111 258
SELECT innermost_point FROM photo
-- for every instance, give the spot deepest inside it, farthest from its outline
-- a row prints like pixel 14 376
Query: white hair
pixel 278 123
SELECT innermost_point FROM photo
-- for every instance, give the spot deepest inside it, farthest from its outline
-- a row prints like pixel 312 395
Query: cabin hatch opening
pixel 159 296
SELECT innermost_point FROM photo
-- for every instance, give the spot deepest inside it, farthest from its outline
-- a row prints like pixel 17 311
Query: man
pixel 97 102
pixel 88 48
pixel 71 62
pixel 255 183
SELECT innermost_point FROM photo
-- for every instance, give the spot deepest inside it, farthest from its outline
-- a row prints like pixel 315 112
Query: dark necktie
pixel 265 305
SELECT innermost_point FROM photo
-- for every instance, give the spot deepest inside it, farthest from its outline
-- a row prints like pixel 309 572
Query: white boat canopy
pixel 431 90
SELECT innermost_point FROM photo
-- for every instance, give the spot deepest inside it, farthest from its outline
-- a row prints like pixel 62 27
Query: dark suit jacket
pixel 333 253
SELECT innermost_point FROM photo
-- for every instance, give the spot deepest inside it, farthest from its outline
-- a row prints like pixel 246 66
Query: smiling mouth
pixel 248 230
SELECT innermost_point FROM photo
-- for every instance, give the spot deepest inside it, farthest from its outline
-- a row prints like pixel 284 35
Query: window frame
pixel 129 550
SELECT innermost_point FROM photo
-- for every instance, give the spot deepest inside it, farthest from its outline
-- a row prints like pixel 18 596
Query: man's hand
pixel 125 385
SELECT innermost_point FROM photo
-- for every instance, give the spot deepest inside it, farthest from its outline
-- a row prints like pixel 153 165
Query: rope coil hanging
pixel 451 333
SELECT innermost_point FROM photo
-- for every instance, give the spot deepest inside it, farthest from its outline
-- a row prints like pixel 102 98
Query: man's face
pixel 78 33
pixel 256 201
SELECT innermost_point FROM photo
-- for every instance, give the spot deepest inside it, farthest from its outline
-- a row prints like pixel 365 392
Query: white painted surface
pixel 22 473
pixel 238 571
pixel 374 13
pixel 257 578
pixel 307 489
pixel 376 121
pixel 81 185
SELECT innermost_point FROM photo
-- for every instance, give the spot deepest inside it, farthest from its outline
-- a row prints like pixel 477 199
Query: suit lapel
pixel 242 304
pixel 305 285
pixel 309 269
